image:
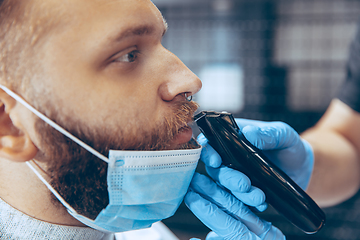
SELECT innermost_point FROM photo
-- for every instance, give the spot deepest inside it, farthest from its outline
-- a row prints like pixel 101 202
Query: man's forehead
pixel 92 7
pixel 123 12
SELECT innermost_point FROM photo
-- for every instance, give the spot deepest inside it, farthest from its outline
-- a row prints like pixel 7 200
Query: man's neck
pixel 16 225
pixel 22 189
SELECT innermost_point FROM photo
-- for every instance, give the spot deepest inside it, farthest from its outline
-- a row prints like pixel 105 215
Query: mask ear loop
pixel 70 209
pixel 53 124
pixel 57 195
pixel 66 133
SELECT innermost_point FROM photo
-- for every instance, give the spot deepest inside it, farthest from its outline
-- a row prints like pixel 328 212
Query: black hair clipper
pixel 281 192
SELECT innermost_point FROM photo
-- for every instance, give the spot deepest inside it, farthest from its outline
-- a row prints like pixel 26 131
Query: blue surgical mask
pixel 143 186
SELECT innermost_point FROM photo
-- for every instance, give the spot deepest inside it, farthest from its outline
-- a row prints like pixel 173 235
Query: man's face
pixel 107 68
pixel 108 80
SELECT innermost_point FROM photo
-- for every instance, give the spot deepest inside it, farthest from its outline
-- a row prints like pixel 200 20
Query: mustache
pixel 180 116
pixel 183 115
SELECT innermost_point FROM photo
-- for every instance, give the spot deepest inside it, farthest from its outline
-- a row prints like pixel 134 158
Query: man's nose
pixel 178 79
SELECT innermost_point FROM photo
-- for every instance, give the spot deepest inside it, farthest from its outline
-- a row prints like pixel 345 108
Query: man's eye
pixel 129 57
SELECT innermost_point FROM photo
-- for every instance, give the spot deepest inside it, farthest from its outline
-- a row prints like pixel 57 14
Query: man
pixel 325 160
pixel 80 82
pixel 97 69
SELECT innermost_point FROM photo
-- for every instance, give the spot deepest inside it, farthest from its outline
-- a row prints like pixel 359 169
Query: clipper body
pixel 281 191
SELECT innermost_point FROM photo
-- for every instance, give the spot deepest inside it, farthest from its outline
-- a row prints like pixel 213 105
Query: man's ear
pixel 15 143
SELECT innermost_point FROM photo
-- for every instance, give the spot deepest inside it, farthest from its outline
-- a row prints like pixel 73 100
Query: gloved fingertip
pixel 213 236
pixel 262 207
pixel 250 128
pixel 190 198
pixel 215 160
pixel 201 139
pixel 210 157
pixel 262 138
pixel 195 239
pixel 251 133
pixel 233 180
pixel 258 196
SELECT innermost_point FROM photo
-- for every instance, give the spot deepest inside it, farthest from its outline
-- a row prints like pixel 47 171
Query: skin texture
pixel 336 144
pixel 103 69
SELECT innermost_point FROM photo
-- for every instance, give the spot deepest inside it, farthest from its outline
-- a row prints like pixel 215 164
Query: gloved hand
pixel 279 142
pixel 222 212
pixel 283 146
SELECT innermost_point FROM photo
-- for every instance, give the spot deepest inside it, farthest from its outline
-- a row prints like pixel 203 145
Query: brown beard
pixel 79 176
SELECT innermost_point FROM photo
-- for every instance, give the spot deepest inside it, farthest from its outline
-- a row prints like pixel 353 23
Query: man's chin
pixel 183 136
pixel 192 144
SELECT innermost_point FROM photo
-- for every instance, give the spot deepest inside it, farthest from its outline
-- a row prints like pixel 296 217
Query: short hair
pixel 22 26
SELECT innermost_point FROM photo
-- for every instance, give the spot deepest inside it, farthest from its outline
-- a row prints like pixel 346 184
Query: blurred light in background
pixel 223 88
pixel 222 5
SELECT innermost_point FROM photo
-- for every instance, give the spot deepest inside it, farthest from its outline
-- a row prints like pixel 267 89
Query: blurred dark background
pixel 267 60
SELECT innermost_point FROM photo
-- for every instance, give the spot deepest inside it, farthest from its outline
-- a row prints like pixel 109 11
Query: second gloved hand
pixel 283 146
pixel 227 216
pixel 279 142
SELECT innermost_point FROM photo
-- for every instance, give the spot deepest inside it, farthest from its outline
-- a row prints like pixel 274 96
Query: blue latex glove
pixel 227 216
pixel 279 142
pixel 225 213
pixel 236 182
pixel 283 146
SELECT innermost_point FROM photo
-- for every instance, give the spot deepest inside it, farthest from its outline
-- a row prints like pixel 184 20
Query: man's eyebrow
pixel 140 31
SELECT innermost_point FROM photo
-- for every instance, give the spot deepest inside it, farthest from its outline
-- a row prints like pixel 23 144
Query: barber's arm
pixel 336 143
pixel 336 139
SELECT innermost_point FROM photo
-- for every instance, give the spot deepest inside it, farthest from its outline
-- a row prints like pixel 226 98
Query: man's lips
pixel 183 136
